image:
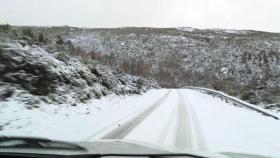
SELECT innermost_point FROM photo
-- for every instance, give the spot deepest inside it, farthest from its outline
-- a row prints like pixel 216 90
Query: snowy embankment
pixel 37 73
pixel 236 101
pixel 70 123
pixel 234 129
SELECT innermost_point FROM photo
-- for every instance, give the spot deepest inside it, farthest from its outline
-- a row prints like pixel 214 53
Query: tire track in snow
pixel 189 134
pixel 123 130
pixel 164 133
pixel 183 138
pixel 200 142
pixel 115 123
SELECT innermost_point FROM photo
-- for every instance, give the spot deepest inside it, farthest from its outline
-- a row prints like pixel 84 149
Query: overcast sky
pixel 228 14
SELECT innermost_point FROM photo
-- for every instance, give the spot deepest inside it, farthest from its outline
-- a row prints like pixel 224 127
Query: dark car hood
pixel 126 147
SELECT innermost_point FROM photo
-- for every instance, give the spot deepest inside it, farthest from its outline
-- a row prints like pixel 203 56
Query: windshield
pixel 182 76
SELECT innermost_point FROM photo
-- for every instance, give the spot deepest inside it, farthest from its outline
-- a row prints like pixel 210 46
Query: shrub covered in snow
pixel 237 62
pixel 51 73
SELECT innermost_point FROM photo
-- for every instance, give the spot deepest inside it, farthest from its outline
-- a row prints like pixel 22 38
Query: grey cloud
pixel 231 14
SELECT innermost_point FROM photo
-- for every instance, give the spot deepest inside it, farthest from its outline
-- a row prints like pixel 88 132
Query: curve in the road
pixel 123 130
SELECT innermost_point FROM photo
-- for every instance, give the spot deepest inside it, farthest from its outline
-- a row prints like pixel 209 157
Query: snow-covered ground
pixel 71 123
pixel 229 128
pixel 185 119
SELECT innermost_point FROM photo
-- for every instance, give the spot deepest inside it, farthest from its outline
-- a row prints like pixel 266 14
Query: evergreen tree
pixel 70 45
pixel 41 38
pixel 60 40
pixel 27 32
pixel 5 28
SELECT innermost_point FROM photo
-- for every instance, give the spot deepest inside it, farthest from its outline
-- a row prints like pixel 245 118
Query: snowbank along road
pixel 181 118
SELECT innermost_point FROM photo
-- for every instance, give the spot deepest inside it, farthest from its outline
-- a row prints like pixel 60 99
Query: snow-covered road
pixel 149 125
pixel 181 118
pixel 188 119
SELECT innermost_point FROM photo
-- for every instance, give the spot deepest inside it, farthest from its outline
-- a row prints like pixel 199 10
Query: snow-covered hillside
pixel 242 63
pixel 34 72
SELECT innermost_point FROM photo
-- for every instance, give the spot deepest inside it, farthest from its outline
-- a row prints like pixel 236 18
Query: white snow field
pixel 177 118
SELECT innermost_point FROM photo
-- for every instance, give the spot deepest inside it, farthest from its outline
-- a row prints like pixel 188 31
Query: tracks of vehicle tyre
pixel 124 129
pixel 183 137
pixel 185 129
pixel 189 132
